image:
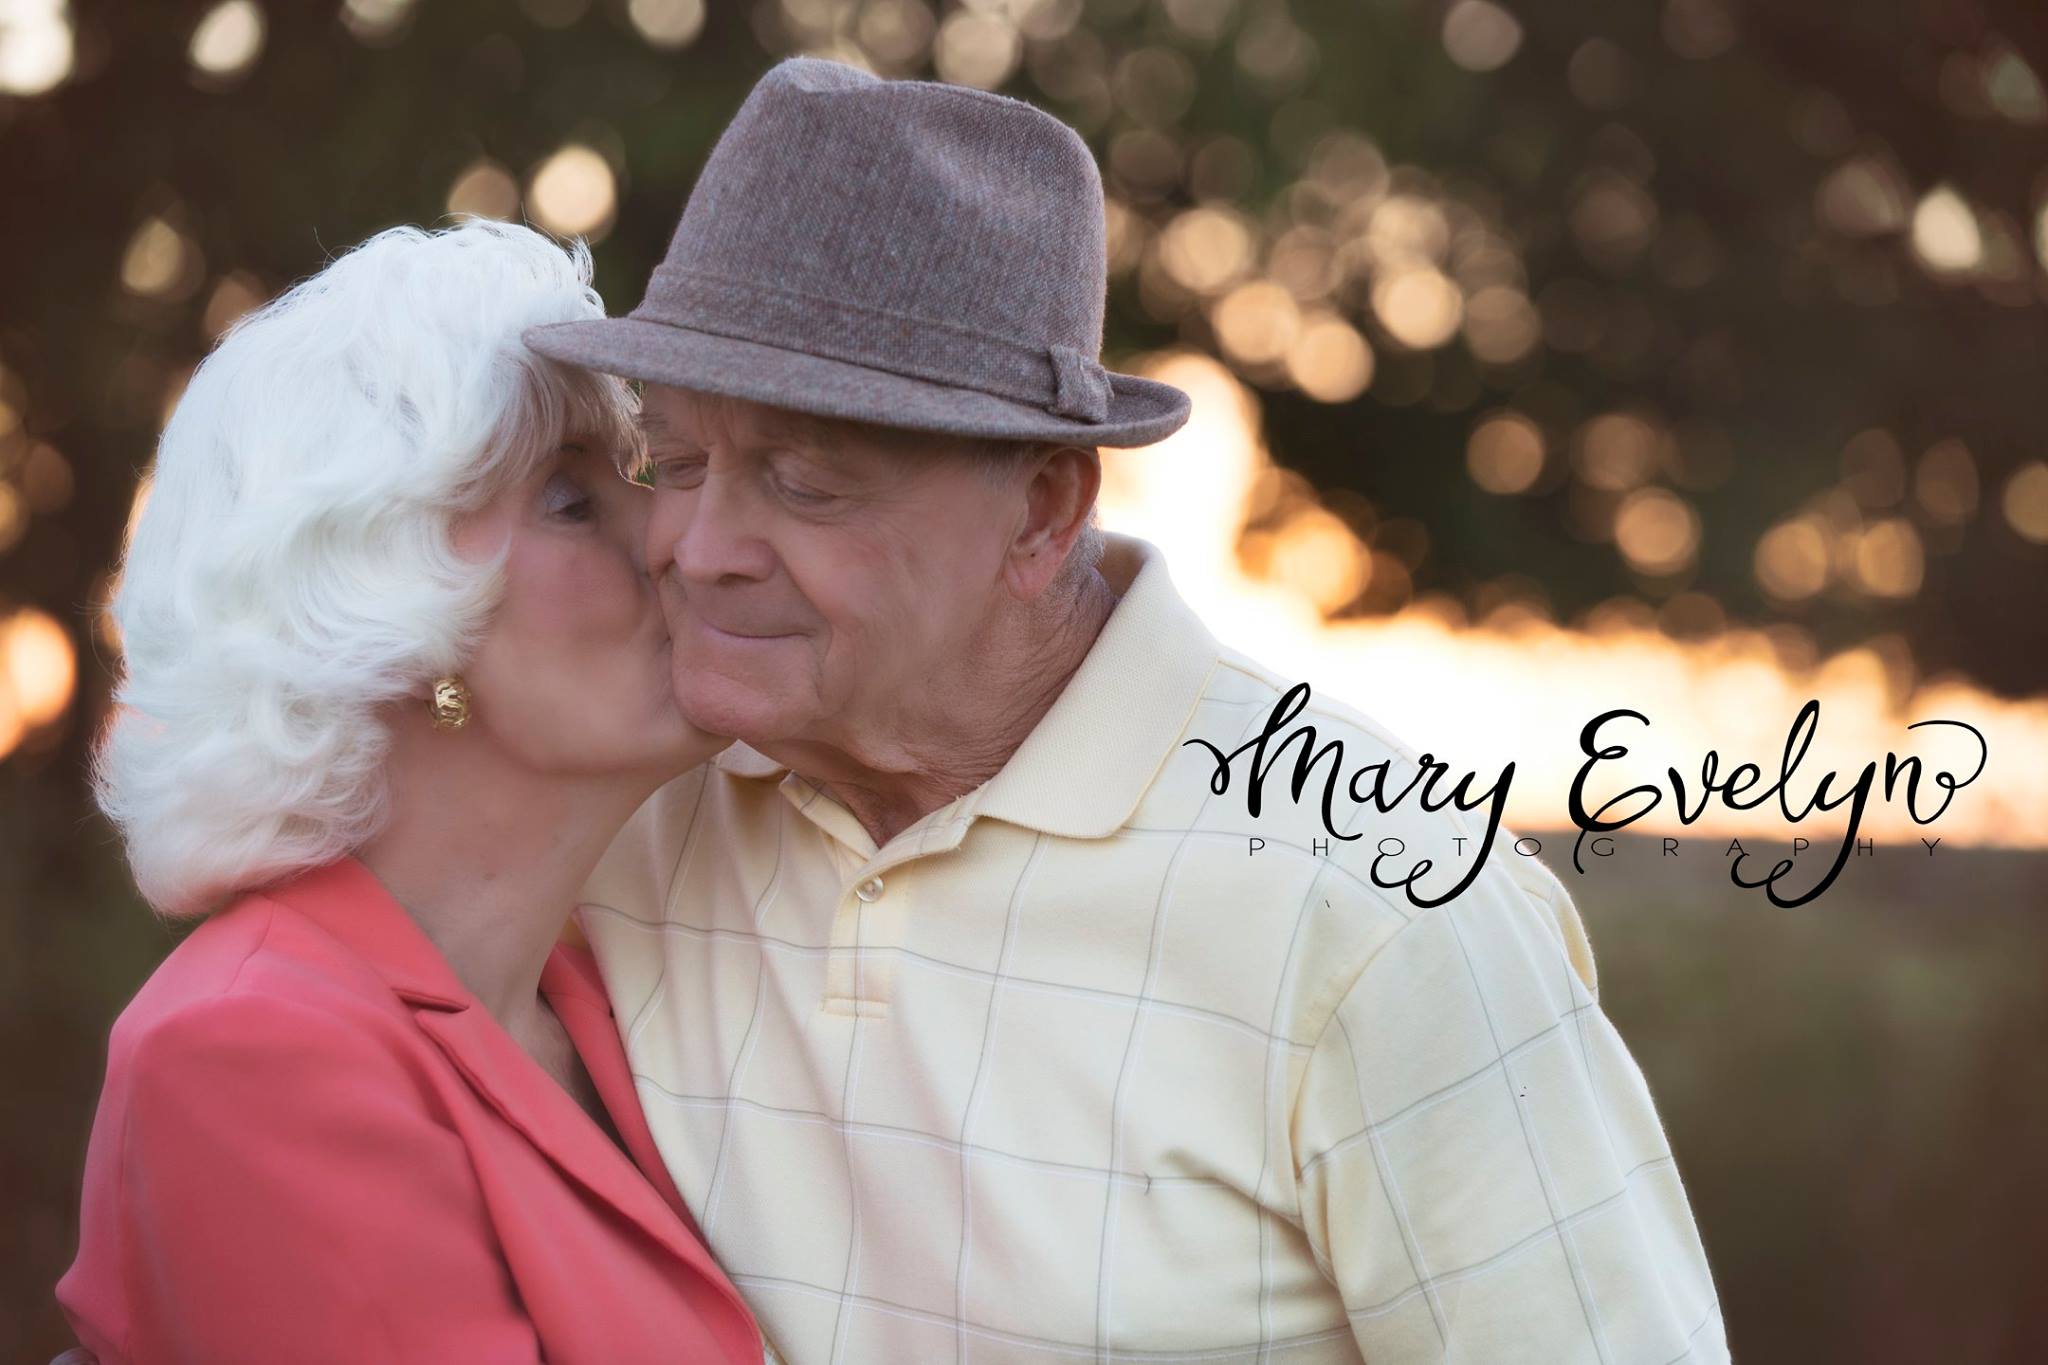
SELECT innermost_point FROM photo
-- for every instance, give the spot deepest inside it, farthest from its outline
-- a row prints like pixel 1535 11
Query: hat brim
pixel 1141 411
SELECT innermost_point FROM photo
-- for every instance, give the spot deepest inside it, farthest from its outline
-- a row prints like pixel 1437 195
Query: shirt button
pixel 869 890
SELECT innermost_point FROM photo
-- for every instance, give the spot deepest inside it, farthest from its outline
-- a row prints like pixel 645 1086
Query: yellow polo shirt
pixel 1068 1070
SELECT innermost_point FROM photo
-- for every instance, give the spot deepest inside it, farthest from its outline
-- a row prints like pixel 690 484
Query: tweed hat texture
pixel 911 253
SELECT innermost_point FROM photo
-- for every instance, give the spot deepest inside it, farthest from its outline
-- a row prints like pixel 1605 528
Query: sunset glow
pixel 1518 688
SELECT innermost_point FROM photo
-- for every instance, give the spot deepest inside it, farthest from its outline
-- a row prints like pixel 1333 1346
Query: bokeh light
pixel 1945 233
pixel 377 23
pixel 1657 531
pixel 573 192
pixel 1613 220
pixel 667 23
pixel 1791 560
pixel 1480 35
pixel 46 481
pixel 227 41
pixel 486 189
pixel 895 33
pixel 161 262
pixel 2025 501
pixel 1505 453
pixel 234 295
pixel 1864 196
pixel 38 673
pixel 1317 555
pixel 1206 249
pixel 1257 322
pixel 1600 74
pixel 41 665
pixel 1616 451
pixel 1699 29
pixel 1945 483
pixel 2012 88
pixel 1889 559
pixel 1501 326
pixel 1420 307
pixel 36 46
pixel 1328 360
pixel 13 517
pixel 977 48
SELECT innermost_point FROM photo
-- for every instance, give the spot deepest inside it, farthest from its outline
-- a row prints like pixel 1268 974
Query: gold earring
pixel 450 704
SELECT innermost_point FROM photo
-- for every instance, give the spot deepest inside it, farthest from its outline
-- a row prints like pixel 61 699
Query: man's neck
pixel 977 721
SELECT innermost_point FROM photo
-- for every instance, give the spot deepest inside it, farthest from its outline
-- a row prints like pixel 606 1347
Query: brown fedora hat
pixel 910 253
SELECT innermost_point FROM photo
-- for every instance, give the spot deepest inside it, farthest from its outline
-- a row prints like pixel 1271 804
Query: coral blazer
pixel 315 1144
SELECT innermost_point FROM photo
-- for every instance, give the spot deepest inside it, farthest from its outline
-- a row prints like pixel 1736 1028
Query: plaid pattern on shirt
pixel 1063 1072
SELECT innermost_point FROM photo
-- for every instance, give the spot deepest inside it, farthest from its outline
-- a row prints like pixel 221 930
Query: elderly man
pixel 971 1020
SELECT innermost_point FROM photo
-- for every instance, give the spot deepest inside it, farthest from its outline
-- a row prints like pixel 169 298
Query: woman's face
pixel 572 675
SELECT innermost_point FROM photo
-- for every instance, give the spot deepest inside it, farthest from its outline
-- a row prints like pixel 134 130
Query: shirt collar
pixel 743 760
pixel 1082 770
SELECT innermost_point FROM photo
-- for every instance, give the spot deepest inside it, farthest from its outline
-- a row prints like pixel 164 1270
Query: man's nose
pixel 708 534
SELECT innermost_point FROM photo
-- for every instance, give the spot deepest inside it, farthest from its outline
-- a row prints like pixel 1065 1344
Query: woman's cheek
pixel 561 588
pixel 607 597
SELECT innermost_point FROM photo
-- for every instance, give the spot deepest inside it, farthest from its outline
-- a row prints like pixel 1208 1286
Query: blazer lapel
pixel 348 902
pixel 574 990
pixel 498 1069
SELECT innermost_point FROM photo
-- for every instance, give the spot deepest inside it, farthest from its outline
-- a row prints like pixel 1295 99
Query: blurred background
pixel 1672 354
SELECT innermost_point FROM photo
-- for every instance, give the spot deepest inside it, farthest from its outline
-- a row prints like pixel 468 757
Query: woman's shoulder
pixel 255 975
pixel 250 1035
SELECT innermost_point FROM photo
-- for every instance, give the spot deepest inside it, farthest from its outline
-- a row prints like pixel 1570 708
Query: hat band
pixel 1061 379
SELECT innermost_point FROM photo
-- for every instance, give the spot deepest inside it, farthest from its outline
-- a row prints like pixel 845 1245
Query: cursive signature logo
pixel 1435 786
pixel 1429 774
pixel 1734 788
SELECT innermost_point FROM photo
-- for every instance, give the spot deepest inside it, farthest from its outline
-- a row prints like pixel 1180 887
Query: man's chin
pixel 729 706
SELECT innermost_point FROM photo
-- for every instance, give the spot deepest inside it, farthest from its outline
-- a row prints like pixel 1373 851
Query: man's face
pixel 817 580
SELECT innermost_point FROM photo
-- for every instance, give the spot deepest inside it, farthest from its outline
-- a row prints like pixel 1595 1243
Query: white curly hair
pixel 292 571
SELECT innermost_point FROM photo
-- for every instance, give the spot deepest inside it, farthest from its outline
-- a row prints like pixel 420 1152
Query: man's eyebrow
pixel 658 437
pixel 779 431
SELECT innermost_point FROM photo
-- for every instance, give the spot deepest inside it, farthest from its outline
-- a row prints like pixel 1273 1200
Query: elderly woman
pixel 395 675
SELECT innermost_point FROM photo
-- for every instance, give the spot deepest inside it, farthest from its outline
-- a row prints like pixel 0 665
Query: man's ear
pixel 1059 494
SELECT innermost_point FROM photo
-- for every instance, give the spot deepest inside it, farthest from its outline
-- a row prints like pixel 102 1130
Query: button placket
pixel 860 971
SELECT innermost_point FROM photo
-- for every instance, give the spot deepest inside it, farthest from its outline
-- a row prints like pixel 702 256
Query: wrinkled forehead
pixel 683 416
